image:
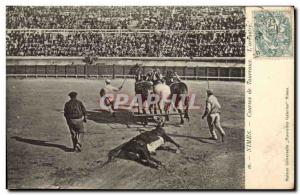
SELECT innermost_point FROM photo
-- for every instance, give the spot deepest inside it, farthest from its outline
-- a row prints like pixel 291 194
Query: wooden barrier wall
pixel 122 71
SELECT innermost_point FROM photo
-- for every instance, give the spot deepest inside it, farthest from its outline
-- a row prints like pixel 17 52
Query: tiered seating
pixel 134 31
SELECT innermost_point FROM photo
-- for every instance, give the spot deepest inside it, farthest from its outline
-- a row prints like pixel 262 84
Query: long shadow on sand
pixel 200 139
pixel 123 117
pixel 42 143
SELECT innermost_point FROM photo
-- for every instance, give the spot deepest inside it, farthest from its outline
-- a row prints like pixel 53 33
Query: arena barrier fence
pixel 122 71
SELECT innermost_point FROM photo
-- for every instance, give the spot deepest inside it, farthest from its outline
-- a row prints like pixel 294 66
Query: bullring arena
pixel 38 140
pixel 39 151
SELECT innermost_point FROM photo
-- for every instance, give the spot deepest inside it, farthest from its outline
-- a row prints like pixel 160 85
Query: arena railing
pixel 79 69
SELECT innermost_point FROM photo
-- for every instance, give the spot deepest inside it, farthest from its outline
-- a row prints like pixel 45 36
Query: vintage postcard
pixel 150 97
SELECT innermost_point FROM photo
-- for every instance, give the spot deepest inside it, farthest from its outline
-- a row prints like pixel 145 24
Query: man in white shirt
pixel 109 100
pixel 212 111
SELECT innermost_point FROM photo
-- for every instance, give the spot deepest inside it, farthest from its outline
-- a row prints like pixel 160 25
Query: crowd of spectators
pixel 162 18
pixel 159 44
pixel 134 31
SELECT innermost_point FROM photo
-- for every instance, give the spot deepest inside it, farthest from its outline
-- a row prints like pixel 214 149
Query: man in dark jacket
pixel 75 114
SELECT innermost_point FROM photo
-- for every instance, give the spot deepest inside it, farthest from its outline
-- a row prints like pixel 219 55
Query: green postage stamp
pixel 273 34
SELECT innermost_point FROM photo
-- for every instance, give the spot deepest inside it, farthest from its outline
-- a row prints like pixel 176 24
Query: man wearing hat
pixel 157 76
pixel 75 114
pixel 212 111
pixel 109 89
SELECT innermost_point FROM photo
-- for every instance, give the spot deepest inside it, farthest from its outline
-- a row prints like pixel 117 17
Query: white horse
pixel 163 92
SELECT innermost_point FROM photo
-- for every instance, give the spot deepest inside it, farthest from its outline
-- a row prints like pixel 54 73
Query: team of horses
pixel 170 93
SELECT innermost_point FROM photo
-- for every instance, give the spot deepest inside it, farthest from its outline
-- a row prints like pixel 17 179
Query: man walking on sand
pixel 75 114
pixel 212 111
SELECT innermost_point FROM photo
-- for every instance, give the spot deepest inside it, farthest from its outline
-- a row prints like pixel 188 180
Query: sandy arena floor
pixel 38 141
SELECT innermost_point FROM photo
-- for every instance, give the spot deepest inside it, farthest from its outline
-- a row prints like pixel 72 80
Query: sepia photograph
pixel 125 97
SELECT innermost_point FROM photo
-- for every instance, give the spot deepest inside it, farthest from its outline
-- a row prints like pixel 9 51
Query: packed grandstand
pixel 125 31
